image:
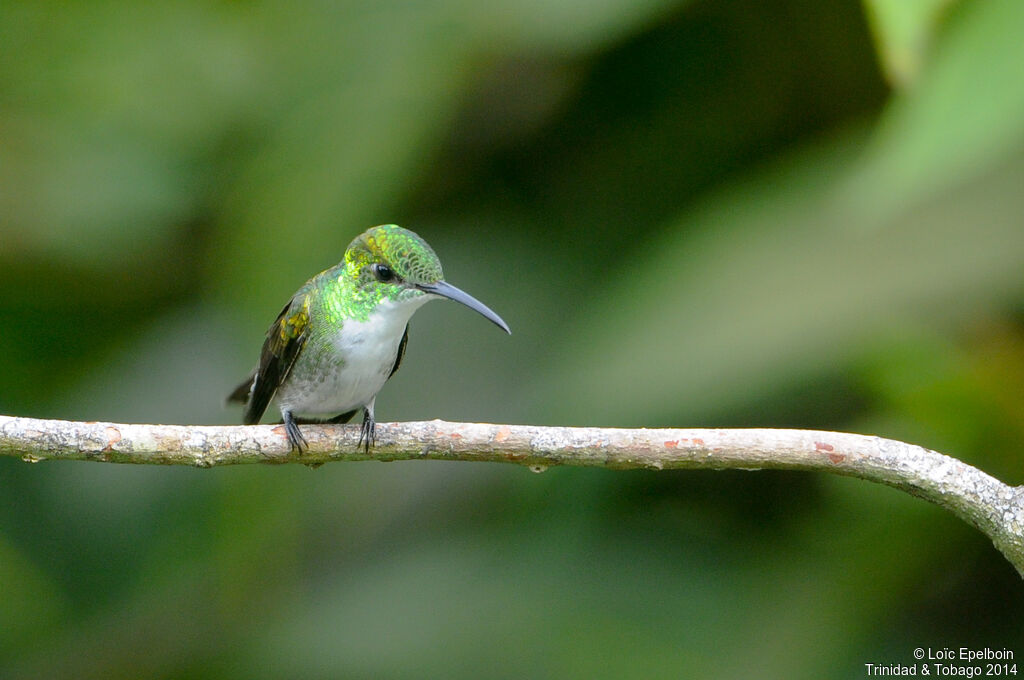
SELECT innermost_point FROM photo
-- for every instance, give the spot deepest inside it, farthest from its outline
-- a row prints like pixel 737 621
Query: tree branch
pixel 995 508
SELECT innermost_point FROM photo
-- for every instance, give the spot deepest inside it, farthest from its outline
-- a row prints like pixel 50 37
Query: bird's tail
pixel 240 394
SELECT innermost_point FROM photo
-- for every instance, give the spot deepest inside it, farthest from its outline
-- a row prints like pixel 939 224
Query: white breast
pixel 344 370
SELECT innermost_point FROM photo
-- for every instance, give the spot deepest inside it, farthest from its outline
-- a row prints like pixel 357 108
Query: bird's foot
pixel 295 438
pixel 368 432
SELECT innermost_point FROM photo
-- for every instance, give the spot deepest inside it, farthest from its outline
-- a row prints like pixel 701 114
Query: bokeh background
pixel 792 213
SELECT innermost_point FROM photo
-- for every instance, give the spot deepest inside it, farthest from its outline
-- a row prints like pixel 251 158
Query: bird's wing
pixel 285 340
pixel 401 352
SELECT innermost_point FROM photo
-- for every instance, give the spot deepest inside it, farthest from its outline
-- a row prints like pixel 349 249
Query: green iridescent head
pixel 401 251
pixel 391 263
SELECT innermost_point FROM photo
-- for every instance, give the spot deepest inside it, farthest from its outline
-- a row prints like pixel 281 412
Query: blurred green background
pixel 793 213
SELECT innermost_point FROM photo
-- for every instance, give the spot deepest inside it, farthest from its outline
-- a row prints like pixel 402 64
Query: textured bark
pixel 992 506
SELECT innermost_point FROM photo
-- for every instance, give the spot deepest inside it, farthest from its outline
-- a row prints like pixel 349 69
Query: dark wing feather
pixel 240 394
pixel 285 340
pixel 401 352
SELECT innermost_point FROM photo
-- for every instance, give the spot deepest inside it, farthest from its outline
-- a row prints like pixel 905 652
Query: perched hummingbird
pixel 343 334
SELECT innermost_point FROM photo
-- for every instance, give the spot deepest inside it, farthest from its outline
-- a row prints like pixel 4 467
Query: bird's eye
pixel 383 273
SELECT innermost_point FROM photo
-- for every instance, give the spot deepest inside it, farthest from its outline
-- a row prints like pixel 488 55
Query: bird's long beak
pixel 445 289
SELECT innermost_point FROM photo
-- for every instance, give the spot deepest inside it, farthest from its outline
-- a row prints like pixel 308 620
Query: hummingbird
pixel 344 333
